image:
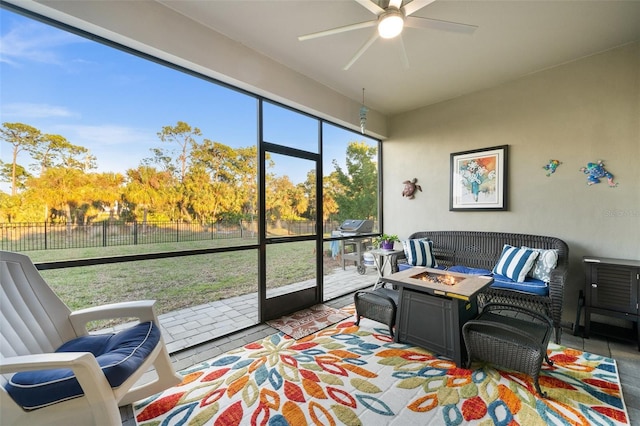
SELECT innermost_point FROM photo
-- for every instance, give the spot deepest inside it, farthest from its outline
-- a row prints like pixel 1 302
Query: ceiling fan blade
pixel 437 24
pixel 415 5
pixel 359 53
pixel 338 30
pixel 395 3
pixel 371 6
pixel 403 53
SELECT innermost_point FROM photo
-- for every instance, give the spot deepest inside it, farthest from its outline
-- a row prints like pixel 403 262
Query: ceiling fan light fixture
pixel 390 24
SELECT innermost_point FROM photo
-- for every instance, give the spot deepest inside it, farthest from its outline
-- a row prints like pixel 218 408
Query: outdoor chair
pixel 53 371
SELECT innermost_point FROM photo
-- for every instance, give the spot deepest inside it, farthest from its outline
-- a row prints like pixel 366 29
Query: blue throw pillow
pixel 419 253
pixel 529 285
pixel 515 263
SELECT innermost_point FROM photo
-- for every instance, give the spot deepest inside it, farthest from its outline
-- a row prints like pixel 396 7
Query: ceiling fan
pixel 390 22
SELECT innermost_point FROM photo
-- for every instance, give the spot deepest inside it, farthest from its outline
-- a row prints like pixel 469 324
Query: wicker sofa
pixel 477 249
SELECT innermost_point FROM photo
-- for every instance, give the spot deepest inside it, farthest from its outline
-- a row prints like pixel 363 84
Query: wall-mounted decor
pixel 596 171
pixel 551 167
pixel 479 179
pixel 410 187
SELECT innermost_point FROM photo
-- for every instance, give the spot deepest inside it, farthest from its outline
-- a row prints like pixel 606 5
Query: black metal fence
pixel 48 236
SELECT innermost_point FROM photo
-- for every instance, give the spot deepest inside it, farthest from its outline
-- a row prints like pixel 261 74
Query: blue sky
pixel 114 103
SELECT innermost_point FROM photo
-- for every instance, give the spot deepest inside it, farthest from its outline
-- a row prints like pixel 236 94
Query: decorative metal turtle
pixel 410 187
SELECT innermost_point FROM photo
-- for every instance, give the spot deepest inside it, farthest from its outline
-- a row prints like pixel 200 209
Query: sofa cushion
pixel 515 263
pixel 544 264
pixel 529 285
pixel 471 271
pixel 419 253
pixel 119 355
pixel 405 266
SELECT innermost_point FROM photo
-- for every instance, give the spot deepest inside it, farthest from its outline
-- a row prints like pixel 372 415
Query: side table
pixel 382 257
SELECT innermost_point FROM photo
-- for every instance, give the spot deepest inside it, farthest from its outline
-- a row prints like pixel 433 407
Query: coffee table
pixel 433 305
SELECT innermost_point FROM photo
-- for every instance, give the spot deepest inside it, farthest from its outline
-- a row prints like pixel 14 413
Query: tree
pixel 62 188
pixel 177 162
pixel 358 197
pixel 9 207
pixel 183 135
pixel 105 192
pixel 330 187
pixel 211 180
pixel 14 173
pixel 246 185
pixel 309 188
pixel 23 138
pixel 147 189
pixel 285 201
pixel 56 150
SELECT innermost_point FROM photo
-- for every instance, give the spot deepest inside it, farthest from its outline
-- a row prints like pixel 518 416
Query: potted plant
pixel 386 241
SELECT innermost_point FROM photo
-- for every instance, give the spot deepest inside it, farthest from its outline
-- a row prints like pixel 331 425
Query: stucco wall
pixel 577 113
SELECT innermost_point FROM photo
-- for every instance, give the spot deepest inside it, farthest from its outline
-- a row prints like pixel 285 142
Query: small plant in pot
pixel 386 241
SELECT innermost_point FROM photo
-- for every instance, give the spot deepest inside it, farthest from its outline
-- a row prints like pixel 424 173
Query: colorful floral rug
pixel 308 321
pixel 349 375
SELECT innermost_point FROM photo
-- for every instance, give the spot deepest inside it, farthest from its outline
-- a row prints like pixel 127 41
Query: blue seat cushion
pixel 405 266
pixel 529 285
pixel 471 271
pixel 119 355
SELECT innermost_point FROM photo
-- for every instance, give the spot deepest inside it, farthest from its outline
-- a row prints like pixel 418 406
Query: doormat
pixel 308 321
pixel 350 375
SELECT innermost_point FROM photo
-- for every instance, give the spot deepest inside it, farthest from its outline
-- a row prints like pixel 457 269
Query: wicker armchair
pixel 478 249
pixel 510 337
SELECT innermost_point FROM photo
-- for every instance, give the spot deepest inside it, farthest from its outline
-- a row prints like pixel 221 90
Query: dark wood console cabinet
pixel 612 288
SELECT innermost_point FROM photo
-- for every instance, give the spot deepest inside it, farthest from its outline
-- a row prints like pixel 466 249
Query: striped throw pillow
pixel 419 253
pixel 515 263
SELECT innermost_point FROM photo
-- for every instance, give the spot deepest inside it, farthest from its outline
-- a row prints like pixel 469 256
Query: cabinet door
pixel 428 321
pixel 615 287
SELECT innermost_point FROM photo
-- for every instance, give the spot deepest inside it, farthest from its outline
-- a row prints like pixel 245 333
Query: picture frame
pixel 478 179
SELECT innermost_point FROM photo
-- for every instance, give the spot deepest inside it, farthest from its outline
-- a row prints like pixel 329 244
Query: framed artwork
pixel 479 179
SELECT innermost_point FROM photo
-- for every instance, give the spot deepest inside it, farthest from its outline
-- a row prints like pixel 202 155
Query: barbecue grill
pixel 352 227
pixel 353 249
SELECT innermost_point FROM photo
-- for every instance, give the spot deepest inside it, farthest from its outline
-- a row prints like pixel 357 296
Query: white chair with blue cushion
pixel 53 371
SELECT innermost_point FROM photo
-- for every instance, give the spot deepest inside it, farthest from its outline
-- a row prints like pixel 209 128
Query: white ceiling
pixel 514 38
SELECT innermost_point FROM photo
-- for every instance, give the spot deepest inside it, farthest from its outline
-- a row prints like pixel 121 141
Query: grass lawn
pixel 179 282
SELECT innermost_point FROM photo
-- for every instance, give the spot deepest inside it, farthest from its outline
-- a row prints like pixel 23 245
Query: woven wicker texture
pixel 510 337
pixel 378 305
pixel 478 249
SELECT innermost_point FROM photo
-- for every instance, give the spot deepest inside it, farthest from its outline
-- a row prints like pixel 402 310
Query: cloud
pixel 101 135
pixel 117 148
pixel 24 110
pixel 34 42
